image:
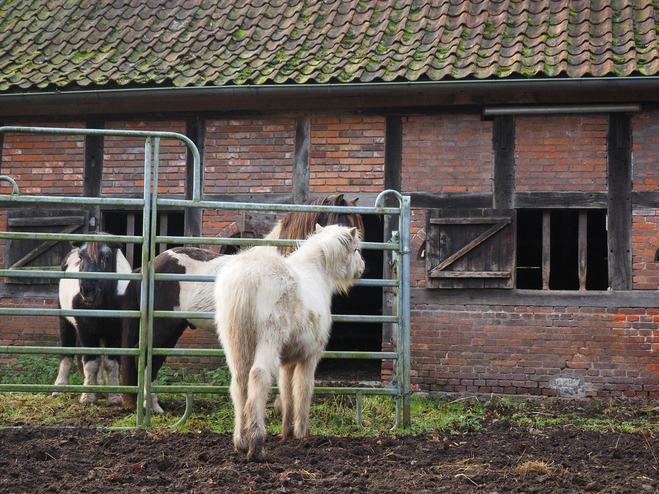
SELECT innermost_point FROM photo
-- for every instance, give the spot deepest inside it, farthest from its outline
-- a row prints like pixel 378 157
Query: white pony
pixel 274 313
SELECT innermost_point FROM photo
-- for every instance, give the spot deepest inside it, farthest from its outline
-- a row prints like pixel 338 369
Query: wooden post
pixel 546 248
pixel 503 143
pixel 93 176
pixel 196 131
pixel 619 147
pixel 301 160
pixel 583 249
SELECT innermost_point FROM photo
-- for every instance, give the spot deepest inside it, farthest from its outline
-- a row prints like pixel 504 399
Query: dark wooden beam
pixel 301 160
pixel 393 161
pixel 535 298
pixel 93 175
pixel 619 147
pixel 503 143
pixel 560 200
pixel 462 200
pixel 195 130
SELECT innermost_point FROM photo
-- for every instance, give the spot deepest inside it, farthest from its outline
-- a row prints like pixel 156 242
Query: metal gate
pixel 400 388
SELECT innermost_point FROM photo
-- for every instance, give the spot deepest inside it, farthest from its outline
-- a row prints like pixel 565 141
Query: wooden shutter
pixel 26 254
pixel 472 248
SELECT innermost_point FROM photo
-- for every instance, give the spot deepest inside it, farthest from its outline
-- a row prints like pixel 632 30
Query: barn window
pixel 562 250
pixel 470 248
pixel 169 223
pixel 526 249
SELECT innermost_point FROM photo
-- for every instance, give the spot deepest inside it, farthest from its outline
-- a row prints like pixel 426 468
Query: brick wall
pixel 123 160
pixel 347 155
pixel 645 178
pixel 522 350
pixel 27 330
pixel 560 153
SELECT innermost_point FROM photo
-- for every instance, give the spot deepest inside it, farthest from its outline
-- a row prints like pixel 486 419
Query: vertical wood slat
pixel 393 159
pixel 619 178
pixel 546 248
pixel 130 230
pixel 301 171
pixel 583 249
pixel 93 175
pixel 503 142
pixel 163 231
pixel 196 132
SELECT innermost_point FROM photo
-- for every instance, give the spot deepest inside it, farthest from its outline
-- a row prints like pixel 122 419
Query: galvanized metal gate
pixel 401 387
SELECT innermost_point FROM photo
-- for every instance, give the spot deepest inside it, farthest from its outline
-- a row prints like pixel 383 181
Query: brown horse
pixel 188 296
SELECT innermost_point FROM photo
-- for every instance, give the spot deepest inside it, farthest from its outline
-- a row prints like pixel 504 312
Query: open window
pixel 169 223
pixel 562 249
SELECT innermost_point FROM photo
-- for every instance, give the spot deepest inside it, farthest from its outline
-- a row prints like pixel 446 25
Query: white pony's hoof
pixel 56 394
pixel 115 399
pixel 88 398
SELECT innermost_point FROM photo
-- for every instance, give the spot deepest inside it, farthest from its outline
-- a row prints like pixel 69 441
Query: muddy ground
pixel 497 458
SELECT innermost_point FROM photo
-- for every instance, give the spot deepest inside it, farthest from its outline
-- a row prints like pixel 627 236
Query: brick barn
pixel 525 132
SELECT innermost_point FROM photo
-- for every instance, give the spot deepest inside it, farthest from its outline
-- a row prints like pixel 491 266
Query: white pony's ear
pixel 354 233
pixel 319 228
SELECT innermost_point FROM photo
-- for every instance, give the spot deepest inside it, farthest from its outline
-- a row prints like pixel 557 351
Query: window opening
pixel 554 254
pixel 169 223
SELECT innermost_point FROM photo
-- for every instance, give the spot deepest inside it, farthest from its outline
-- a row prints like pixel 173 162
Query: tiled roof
pixel 91 43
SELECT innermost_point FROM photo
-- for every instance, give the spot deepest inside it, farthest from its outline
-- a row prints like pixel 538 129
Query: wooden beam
pixel 393 162
pixel 463 200
pixel 195 130
pixel 619 176
pixel 301 171
pixel 503 142
pixel 583 249
pixel 546 249
pixel 560 200
pixel 534 298
pixel 93 175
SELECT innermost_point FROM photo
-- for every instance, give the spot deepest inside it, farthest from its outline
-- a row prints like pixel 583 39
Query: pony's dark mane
pixel 299 225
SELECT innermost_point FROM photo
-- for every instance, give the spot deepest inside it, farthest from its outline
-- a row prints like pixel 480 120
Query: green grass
pixel 330 415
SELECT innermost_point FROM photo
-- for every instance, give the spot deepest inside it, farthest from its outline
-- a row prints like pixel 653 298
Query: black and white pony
pixel 93 294
pixel 198 296
pixel 273 315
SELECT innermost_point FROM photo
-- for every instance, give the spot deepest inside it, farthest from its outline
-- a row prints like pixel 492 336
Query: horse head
pixel 97 257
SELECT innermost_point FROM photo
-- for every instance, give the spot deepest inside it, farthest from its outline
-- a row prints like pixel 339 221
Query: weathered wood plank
pixel 536 298
pixel 93 174
pixel 195 130
pixel 302 151
pixel 463 200
pixel 583 249
pixel 503 143
pixel 546 249
pixel 560 200
pixel 619 168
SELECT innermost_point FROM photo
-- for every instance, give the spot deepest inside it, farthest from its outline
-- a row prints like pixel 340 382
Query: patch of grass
pixel 330 415
pixel 35 369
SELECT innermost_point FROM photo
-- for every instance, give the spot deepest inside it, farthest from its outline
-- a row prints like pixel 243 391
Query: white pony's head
pixel 340 254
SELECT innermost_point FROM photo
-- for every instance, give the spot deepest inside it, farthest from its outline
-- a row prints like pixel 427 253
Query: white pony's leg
pixel 91 375
pixel 155 406
pixel 111 367
pixel 286 399
pixel 302 394
pixel 238 390
pixel 266 363
pixel 63 375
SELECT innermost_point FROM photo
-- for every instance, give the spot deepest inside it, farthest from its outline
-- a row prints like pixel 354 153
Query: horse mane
pixel 298 226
